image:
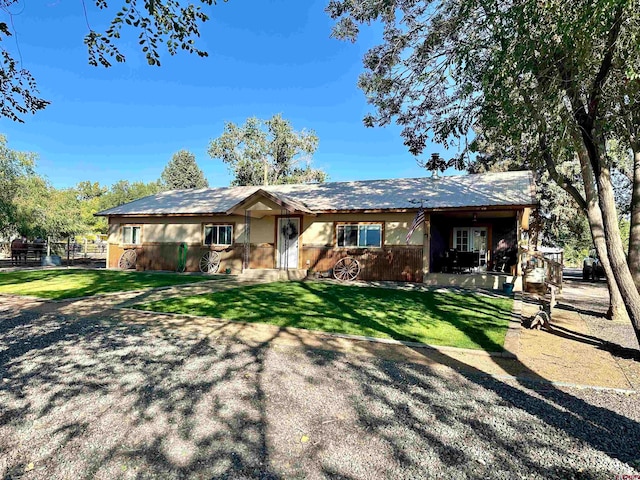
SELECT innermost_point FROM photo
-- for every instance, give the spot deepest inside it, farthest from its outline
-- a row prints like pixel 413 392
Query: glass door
pixel 475 240
pixel 479 246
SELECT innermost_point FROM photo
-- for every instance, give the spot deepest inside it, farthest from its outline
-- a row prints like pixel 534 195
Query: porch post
pixel 246 253
pixel 426 246
pixel 519 216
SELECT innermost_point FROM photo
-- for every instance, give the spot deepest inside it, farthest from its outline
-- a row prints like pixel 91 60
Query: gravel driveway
pixel 591 301
pixel 83 398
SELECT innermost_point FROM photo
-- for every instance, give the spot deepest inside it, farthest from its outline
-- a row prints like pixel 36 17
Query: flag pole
pixel 422 218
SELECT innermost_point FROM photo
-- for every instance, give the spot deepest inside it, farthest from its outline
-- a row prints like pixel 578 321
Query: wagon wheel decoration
pixel 127 260
pixel 346 269
pixel 210 262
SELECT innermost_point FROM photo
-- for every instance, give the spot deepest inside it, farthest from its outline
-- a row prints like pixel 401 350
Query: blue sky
pixel 125 122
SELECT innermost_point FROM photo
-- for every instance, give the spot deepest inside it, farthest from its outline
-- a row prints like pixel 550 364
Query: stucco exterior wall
pixel 189 229
pixel 319 231
pixel 316 231
pixel 262 230
pixel 160 237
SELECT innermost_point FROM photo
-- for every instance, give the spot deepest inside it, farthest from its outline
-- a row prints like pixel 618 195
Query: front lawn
pixel 60 283
pixel 466 320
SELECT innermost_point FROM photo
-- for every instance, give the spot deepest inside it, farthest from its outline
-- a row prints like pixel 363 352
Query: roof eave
pixel 330 211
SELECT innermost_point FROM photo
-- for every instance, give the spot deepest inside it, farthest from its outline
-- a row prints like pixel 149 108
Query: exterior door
pixel 288 239
pixel 472 239
pixel 479 241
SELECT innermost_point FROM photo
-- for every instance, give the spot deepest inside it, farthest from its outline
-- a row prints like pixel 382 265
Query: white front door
pixel 288 236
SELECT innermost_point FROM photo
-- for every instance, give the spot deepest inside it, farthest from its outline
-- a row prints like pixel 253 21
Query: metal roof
pixel 456 191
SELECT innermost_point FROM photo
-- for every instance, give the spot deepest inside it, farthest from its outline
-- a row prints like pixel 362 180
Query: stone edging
pixel 512 338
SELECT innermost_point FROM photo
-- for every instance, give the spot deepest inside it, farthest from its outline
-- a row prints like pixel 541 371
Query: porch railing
pixel 552 269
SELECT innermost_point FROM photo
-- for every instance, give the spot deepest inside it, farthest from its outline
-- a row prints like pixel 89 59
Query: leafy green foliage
pixel 14 167
pixel 444 66
pixel 43 210
pixel 18 91
pixel 124 191
pixel 182 172
pixel 90 196
pixel 156 21
pixel 267 152
pixel 173 22
pixel 31 206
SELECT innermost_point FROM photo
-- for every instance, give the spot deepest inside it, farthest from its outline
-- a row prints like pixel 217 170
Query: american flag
pixel 416 223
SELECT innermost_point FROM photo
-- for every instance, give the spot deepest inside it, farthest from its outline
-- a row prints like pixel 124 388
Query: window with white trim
pixel 461 239
pixel 360 235
pixel 472 239
pixel 218 234
pixel 131 235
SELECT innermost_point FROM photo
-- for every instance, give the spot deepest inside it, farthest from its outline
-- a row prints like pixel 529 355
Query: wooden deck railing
pixel 553 269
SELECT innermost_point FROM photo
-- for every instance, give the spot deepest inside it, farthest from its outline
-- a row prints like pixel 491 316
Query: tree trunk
pixel 619 268
pixel 633 257
pixel 613 240
pixel 617 310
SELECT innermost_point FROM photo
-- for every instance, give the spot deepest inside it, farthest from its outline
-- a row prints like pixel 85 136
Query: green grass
pixel 60 284
pixel 468 320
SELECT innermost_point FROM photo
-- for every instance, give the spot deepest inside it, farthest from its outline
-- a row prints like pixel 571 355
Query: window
pixel 360 235
pixel 218 234
pixel 461 239
pixel 473 239
pixel 131 235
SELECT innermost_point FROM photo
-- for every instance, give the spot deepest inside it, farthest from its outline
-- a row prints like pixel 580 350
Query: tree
pixel 90 195
pixel 267 152
pixel 156 21
pixel 555 222
pixel 182 172
pixel 44 211
pixel 14 166
pixel 560 77
pixel 124 191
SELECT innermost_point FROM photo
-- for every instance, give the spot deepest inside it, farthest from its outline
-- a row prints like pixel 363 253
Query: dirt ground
pixel 92 396
pixel 591 301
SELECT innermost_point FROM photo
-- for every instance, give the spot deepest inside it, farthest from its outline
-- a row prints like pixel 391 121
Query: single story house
pixel 471 224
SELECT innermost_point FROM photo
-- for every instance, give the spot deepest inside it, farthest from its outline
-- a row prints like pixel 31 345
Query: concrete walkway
pixel 563 355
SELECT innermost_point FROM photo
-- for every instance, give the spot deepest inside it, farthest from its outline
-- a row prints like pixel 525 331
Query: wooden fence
pixel 72 250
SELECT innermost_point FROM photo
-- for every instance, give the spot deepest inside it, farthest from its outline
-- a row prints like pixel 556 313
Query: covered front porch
pixel 477 248
pixel 278 219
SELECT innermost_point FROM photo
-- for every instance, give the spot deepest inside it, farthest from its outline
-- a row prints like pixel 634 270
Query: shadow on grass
pixel 59 284
pixel 442 318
